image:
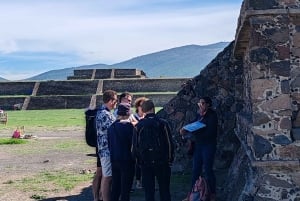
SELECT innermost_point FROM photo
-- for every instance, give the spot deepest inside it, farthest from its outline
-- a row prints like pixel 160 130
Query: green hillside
pixel 185 61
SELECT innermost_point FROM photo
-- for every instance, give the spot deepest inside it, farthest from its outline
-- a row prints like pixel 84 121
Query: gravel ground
pixel 46 152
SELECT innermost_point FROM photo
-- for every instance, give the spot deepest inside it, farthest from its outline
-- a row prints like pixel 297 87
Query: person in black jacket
pixel 153 146
pixel 120 143
pixel 205 144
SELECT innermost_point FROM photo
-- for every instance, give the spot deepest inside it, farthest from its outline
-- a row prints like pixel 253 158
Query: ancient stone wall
pixel 144 85
pixel 79 87
pixel 7 103
pixel 81 93
pixel 16 88
pixel 254 84
pixel 80 74
pixel 59 102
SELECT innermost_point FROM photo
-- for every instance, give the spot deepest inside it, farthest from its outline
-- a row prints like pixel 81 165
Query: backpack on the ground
pixel 150 147
pixel 90 127
pixel 200 191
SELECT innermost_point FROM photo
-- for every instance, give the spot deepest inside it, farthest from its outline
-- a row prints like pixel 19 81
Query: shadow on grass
pixel 179 188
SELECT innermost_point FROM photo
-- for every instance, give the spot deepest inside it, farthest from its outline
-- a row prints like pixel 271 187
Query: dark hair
pixel 147 105
pixel 108 95
pixel 207 100
pixel 123 95
pixel 124 109
pixel 138 102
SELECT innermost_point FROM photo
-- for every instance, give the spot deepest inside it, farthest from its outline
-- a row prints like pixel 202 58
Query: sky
pixel 41 35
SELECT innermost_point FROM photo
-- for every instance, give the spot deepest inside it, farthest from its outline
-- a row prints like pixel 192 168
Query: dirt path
pixel 52 150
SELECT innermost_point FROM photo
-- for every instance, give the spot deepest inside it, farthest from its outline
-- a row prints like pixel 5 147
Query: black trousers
pixel 162 172
pixel 122 172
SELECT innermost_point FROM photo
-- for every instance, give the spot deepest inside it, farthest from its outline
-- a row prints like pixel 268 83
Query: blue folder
pixel 194 126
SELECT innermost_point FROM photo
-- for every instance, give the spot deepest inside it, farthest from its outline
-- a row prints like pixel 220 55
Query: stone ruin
pixel 85 89
pixel 255 86
pixel 91 74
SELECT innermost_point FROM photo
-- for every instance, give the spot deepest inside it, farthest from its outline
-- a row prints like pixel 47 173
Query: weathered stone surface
pixel 296 121
pixel 280 36
pixel 261 198
pixel 283 52
pixel 261 55
pixel 296 133
pixel 260 118
pixel 281 139
pixel 288 152
pixel 261 146
pixel 295 83
pixel 296 52
pixel 296 39
pixel 285 123
pixel 262 4
pixel 281 102
pixel 257 73
pixel 285 87
pixel 256 39
pixel 289 2
pixel 260 86
pixel 281 68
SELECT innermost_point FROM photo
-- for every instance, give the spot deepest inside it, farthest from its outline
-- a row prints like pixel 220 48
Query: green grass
pixel 46 118
pixel 11 141
pixel 51 181
pixel 58 118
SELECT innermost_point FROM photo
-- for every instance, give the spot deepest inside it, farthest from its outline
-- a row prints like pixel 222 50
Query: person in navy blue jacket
pixel 205 144
pixel 120 142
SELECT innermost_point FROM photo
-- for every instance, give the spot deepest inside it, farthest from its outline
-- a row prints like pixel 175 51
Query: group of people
pixel 141 145
pixel 119 158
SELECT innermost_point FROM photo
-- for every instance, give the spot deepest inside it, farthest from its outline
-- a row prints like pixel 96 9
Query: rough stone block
pixel 282 102
pixel 262 4
pixel 288 152
pixel 281 68
pixel 281 139
pixel 283 52
pixel 281 36
pixel 259 87
pixel 260 118
pixel 296 133
pixel 296 39
pixel 261 146
pixel 261 55
pixel 285 123
pixel 285 87
pixel 295 52
pixel 296 83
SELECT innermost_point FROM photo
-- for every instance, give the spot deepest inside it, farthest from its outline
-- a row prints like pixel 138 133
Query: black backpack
pixel 150 142
pixel 90 127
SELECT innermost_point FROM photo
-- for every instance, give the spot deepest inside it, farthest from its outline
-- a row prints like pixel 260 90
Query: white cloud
pixel 102 32
pixel 8 46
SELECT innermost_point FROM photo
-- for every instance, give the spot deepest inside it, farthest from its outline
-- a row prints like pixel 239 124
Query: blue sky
pixel 41 35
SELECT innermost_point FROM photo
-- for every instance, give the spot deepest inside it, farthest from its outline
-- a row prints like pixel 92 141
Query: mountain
pixel 185 61
pixel 2 79
pixel 62 74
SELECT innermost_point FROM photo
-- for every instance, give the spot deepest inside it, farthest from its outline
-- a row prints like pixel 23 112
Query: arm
pixel 134 143
pixel 170 142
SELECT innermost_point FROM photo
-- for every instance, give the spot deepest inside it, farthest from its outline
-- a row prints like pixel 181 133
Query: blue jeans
pixel 203 161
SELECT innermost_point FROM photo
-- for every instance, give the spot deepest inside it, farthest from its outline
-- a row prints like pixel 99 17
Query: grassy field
pixel 47 118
